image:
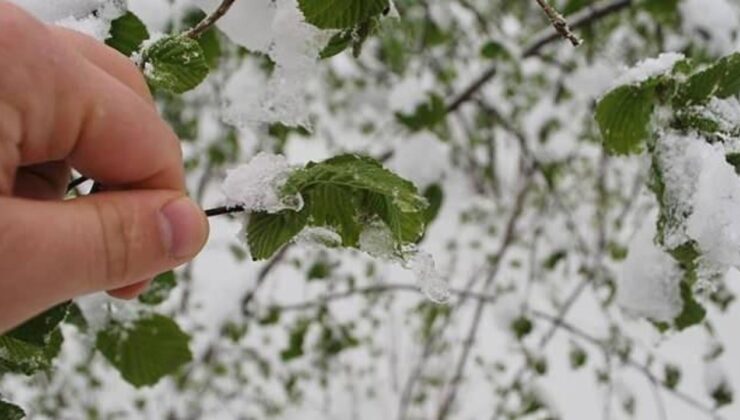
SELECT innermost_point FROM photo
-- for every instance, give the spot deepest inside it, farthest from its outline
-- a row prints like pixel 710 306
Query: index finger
pixel 70 109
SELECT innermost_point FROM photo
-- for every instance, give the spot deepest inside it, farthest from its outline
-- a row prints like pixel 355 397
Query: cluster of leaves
pixel 32 347
pixel 626 118
pixel 345 194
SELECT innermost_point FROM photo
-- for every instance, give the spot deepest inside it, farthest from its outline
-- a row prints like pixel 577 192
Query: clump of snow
pixel 319 235
pixel 715 221
pixel 649 284
pixel 725 112
pixel 428 278
pixel 91 17
pixel 278 29
pixel 376 239
pixel 649 68
pixel 680 160
pixel 256 185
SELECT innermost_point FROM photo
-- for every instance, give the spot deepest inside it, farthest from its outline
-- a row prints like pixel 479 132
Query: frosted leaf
pixel 429 279
pixel 648 68
pixel 256 185
pixel 714 223
pixel 376 239
pixel 680 166
pixel 321 236
pixel 649 282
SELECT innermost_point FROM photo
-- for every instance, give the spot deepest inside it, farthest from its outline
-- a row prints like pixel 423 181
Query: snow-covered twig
pixel 559 23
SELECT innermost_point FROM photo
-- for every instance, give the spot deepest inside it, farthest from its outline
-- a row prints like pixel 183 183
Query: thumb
pixel 54 251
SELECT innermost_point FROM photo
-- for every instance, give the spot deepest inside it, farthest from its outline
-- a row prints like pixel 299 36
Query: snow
pixel 717 19
pixel 376 239
pixel 649 68
pixel 714 223
pixel 77 14
pixel 680 160
pixel 279 30
pixel 256 185
pixel 650 278
pixel 715 378
pixel 405 161
pixel 428 278
pixel 313 236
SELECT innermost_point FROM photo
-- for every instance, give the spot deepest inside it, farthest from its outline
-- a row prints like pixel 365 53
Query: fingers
pixel 130 292
pixel 73 109
pixel 107 59
pixel 53 251
pixel 47 181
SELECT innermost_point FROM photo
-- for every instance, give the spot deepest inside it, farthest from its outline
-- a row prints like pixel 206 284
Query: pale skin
pixel 68 101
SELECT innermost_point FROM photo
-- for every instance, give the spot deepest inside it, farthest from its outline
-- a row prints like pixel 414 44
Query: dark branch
pixel 584 18
pixel 559 23
pixel 206 24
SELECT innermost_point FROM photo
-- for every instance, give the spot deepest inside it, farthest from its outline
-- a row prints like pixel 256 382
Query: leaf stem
pixel 207 23
pixel 220 211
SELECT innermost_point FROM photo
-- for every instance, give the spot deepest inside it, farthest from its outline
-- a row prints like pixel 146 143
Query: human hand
pixel 68 101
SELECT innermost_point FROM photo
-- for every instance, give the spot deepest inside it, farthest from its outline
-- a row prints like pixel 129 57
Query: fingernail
pixel 183 231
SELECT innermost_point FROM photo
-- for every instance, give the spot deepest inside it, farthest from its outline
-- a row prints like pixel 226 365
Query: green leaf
pixel 267 233
pixel 426 115
pixel 721 80
pixel 208 41
pixel 665 11
pixel 34 345
pixel 435 196
pixel 671 376
pixel 145 351
pixel 335 207
pixel 160 289
pixel 176 64
pixel 10 411
pixel 127 33
pixel 493 50
pixel 295 341
pixel 624 117
pixel 521 327
pixel 341 14
pixel 692 313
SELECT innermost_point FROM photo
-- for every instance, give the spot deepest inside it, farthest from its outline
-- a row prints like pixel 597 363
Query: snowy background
pixel 535 224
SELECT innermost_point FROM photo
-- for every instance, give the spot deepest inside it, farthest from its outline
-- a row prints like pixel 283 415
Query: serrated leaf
pixel 208 41
pixel 160 289
pixel 34 345
pixel 176 64
pixel 341 14
pixel 407 227
pixel 721 80
pixel 145 351
pixel 10 411
pixel 360 173
pixel 127 33
pixel 435 197
pixel 267 233
pixel 336 208
pixel 624 116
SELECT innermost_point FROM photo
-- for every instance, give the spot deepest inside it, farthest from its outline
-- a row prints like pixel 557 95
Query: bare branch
pixel 586 17
pixel 506 242
pixel 206 24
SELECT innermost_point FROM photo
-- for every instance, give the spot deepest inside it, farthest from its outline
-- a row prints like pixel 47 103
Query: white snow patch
pixel 649 68
pixel 256 185
pixel 77 14
pixel 650 278
pixel 428 278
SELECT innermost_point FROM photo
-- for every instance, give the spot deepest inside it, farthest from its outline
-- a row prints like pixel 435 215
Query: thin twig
pixel 206 24
pixel 586 17
pixel 506 242
pixel 559 23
